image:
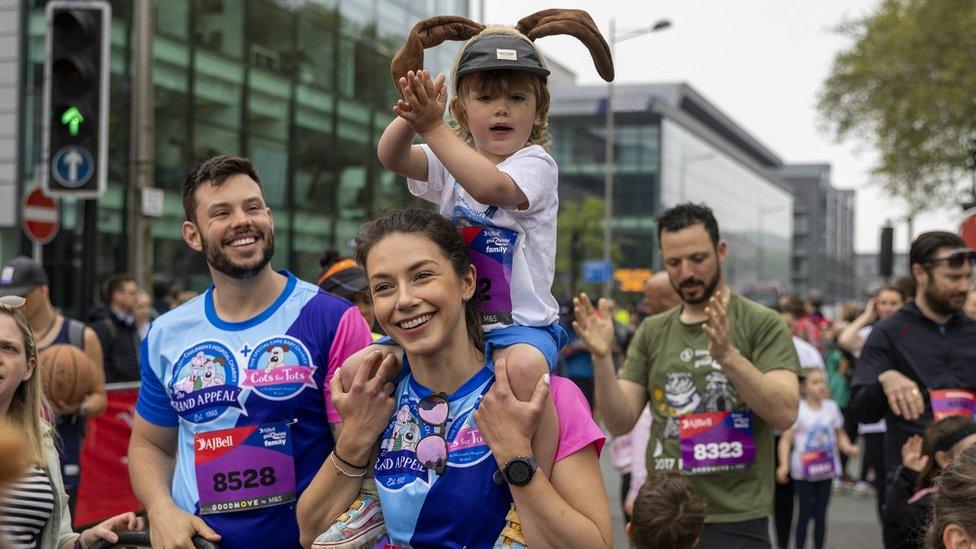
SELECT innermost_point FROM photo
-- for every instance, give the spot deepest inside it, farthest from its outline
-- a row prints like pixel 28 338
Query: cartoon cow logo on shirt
pixel 279 368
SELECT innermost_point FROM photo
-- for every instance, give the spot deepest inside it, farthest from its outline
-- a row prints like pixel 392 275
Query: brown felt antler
pixel 428 33
pixel 576 23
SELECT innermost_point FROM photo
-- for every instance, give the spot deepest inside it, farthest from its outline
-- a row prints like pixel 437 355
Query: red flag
pixel 104 490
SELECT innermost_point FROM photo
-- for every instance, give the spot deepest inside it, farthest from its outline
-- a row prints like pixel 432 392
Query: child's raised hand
pixel 424 101
pixel 912 456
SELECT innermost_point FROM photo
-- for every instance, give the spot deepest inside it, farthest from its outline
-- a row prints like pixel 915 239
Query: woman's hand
pixel 506 423
pixel 424 101
pixel 911 454
pixel 366 408
pixel 595 327
pixel 107 529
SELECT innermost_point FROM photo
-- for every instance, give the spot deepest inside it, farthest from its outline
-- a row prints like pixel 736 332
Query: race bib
pixel 492 250
pixel 818 464
pixel 715 442
pixel 952 402
pixel 244 468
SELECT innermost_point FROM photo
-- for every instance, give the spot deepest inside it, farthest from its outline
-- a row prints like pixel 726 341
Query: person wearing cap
pixel 491 175
pixel 344 278
pixel 25 278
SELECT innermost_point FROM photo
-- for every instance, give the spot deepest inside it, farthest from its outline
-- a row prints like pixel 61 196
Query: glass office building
pixel 673 146
pixel 302 87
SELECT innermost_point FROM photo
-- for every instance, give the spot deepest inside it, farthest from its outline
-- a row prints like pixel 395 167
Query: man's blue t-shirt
pixel 250 400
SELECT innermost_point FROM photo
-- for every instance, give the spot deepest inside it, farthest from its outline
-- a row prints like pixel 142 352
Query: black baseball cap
pixel 21 275
pixel 500 51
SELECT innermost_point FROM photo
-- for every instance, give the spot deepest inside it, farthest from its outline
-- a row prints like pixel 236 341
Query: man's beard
pixel 216 258
pixel 706 294
pixel 940 303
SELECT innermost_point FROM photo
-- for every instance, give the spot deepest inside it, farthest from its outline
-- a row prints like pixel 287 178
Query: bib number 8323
pixel 248 478
pixel 717 450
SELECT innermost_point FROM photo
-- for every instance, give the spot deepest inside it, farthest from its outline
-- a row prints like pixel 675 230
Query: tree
pixel 907 87
pixel 579 230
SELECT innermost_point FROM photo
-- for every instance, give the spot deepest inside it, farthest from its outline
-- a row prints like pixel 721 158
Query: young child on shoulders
pixel 491 175
pixel 808 454
pixel 667 513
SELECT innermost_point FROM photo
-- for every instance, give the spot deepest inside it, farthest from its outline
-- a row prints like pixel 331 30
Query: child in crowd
pixel 909 498
pixel 667 513
pixel 814 439
pixel 491 175
pixel 953 520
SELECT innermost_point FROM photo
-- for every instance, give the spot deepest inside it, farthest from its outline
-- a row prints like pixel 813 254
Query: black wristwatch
pixel 518 471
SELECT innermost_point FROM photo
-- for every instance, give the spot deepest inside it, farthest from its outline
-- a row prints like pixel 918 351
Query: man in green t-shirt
pixel 719 372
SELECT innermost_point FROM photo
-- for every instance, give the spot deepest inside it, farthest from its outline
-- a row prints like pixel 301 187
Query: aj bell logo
pixel 215 443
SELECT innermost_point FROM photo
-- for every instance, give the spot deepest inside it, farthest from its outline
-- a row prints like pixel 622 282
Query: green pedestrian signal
pixel 73 119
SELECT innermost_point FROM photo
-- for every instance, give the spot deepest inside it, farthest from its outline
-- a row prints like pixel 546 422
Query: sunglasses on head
pixel 955 258
pixel 432 449
pixel 12 301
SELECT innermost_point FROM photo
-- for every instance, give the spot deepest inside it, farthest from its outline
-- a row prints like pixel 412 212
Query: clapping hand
pixel 718 329
pixel 594 326
pixel 424 100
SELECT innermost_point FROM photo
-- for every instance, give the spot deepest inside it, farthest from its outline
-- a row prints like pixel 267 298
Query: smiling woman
pixel 455 456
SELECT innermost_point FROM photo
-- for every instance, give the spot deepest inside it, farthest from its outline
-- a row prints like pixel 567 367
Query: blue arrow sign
pixel 597 272
pixel 72 166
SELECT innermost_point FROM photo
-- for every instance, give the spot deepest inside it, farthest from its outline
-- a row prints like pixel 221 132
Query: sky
pixel 762 62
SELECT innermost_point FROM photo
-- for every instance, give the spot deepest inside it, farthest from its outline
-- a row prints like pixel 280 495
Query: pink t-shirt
pixel 352 334
pixel 577 430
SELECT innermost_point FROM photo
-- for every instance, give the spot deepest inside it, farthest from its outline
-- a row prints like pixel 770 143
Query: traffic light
pixel 76 86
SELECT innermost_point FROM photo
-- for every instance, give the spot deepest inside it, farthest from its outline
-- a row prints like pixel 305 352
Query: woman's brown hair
pixel 955 499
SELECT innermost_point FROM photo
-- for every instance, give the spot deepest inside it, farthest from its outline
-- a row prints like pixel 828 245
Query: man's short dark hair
pixel 115 284
pixel 685 215
pixel 214 171
pixel 927 244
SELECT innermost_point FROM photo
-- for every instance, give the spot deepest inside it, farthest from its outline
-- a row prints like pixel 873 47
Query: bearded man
pixel 719 373
pixel 919 364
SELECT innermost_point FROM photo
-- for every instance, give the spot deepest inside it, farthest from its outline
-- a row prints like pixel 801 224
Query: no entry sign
pixel 39 216
pixel 968 228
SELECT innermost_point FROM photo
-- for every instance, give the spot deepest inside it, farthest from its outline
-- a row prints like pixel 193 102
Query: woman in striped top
pixel 34 509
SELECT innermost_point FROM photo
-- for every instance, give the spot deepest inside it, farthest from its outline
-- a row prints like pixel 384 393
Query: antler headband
pixel 435 30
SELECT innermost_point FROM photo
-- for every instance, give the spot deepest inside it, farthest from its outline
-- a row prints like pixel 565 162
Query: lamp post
pixel 613 38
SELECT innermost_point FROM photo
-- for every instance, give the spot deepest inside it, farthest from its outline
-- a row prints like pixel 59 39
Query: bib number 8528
pixel 248 478
pixel 717 450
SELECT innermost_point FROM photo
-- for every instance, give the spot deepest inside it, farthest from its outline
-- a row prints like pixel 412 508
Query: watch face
pixel 519 472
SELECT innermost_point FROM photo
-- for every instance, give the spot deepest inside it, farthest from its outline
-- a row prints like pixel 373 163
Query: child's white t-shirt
pixel 513 250
pixel 815 454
